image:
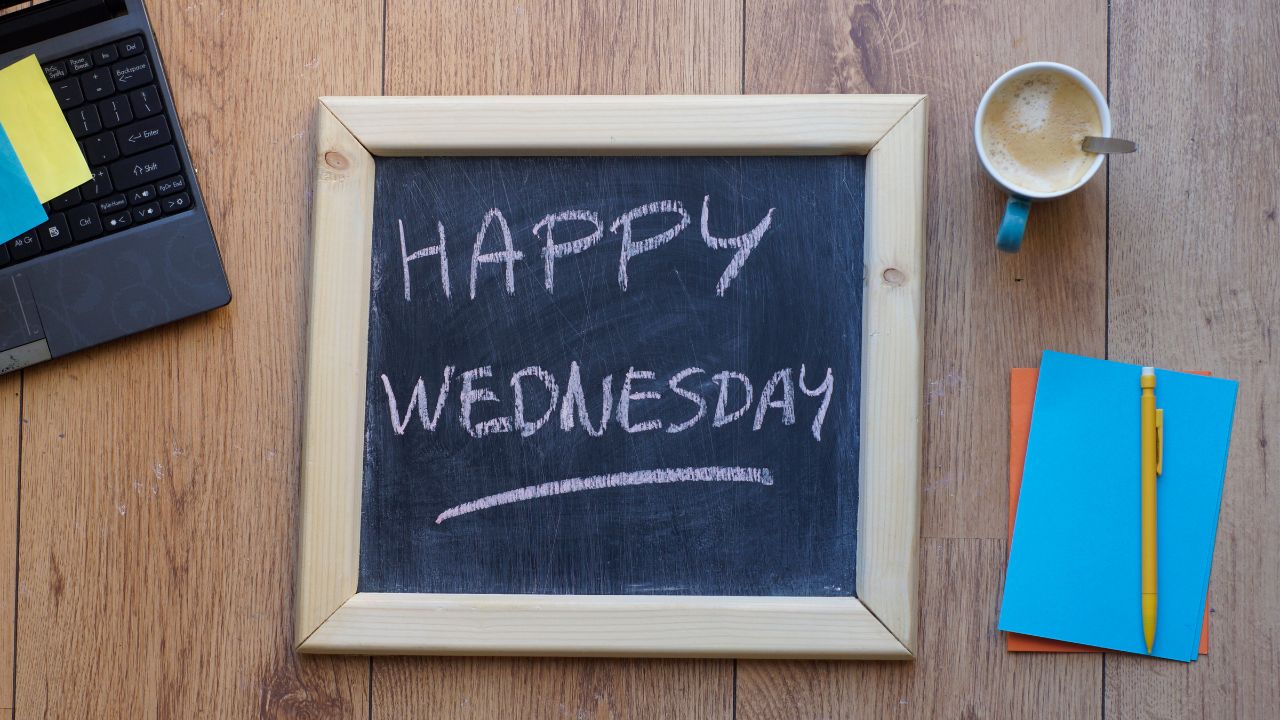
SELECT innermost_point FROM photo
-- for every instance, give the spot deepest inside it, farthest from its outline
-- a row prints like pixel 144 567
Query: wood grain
pixel 577 46
pixel 986 312
pixel 622 125
pixel 1194 235
pixel 892 364
pixel 570 47
pixel 605 626
pixel 337 359
pixel 10 464
pixel 160 472
pixel 514 689
pixel 961 669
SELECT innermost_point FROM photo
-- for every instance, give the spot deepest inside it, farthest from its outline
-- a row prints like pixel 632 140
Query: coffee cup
pixel 1029 129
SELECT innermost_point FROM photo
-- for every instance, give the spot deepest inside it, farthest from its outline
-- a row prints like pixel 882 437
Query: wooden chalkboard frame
pixel 881 622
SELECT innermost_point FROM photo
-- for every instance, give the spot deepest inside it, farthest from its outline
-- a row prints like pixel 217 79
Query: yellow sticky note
pixel 39 131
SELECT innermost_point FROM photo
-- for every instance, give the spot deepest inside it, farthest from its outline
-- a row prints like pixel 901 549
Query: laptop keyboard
pixel 124 130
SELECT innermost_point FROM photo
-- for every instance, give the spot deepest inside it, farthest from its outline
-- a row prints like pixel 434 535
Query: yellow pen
pixel 1152 465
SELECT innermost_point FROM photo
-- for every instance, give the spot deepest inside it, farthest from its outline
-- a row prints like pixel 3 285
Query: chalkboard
pixel 614 375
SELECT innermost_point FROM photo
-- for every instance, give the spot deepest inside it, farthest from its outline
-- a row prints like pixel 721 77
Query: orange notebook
pixel 1022 395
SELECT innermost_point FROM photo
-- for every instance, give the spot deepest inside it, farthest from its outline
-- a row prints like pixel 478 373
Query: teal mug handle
pixel 1014 224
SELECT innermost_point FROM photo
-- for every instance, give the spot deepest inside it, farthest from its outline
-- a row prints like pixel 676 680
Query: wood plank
pixel 575 47
pixel 10 433
pixel 516 689
pixel 892 369
pixel 605 626
pixel 160 472
pixel 337 359
pixel 622 125
pixel 515 47
pixel 1193 284
pixel 961 668
pixel 986 312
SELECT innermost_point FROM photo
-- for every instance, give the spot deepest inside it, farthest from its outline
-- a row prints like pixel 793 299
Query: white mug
pixel 1014 223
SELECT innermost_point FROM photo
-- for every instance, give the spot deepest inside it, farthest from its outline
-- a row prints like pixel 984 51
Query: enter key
pixel 144 135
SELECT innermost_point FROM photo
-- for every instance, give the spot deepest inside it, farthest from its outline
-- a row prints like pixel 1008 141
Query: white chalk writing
pixel 760 476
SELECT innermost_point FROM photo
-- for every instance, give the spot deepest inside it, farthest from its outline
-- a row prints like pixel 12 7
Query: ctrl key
pixel 84 222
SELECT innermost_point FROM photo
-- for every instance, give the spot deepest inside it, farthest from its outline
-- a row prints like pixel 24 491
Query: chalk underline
pixel 760 476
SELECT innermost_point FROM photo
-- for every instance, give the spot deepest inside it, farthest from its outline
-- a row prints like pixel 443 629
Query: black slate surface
pixel 795 301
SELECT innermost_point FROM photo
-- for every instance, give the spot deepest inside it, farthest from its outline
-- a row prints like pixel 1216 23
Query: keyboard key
pixel 55 235
pixel 84 121
pixel 80 63
pixel 143 135
pixel 169 186
pixel 131 47
pixel 55 71
pixel 101 149
pixel 98 186
pixel 25 246
pixel 145 101
pixel 112 204
pixel 145 168
pixel 117 222
pixel 146 213
pixel 68 93
pixel 132 73
pixel 141 195
pixel 176 203
pixel 65 200
pixel 4 254
pixel 84 222
pixel 105 55
pixel 97 84
pixel 115 111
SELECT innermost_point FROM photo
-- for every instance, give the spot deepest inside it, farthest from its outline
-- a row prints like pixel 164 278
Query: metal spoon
pixel 1103 145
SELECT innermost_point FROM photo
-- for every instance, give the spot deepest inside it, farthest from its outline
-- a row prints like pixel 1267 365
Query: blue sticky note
pixel 20 209
pixel 1075 560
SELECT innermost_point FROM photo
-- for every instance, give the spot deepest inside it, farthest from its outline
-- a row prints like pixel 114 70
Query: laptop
pixel 132 248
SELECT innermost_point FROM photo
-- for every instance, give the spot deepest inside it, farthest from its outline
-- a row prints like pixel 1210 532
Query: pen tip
pixel 1147 370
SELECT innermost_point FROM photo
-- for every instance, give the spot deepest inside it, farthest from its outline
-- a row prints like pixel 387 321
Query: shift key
pixel 145 168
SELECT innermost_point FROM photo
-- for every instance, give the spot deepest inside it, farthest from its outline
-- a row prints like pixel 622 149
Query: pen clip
pixel 1159 441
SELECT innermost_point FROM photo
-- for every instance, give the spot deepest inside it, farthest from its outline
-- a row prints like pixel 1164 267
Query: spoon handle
pixel 1108 145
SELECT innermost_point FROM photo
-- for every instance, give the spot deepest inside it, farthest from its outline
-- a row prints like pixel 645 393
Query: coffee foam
pixel 1033 128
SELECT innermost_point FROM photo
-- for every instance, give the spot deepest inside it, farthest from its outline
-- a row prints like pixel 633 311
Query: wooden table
pixel 151 485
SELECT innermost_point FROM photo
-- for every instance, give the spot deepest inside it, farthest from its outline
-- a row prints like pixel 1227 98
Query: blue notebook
pixel 1075 565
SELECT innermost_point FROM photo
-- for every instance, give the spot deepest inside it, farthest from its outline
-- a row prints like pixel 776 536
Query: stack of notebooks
pixel 1075 562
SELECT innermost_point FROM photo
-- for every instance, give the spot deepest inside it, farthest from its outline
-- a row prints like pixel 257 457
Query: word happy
pixel 572 232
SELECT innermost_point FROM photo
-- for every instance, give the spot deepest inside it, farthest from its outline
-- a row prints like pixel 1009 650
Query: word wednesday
pixel 779 393
pixel 589 233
